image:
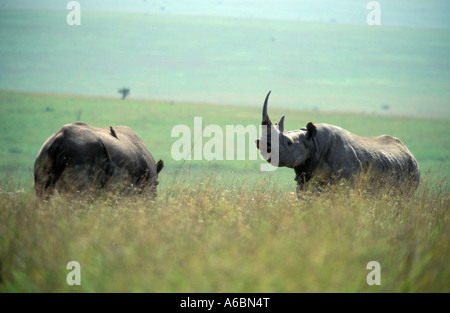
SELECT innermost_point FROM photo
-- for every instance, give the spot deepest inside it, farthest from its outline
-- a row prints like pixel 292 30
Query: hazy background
pixel 433 13
pixel 313 55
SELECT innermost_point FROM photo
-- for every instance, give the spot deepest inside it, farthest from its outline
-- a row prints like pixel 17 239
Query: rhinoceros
pixel 81 157
pixel 327 153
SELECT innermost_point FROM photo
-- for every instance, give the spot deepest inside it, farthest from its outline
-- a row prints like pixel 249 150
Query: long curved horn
pixel 265 117
pixel 281 124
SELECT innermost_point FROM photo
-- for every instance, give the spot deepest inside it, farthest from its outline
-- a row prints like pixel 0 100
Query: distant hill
pixel 310 66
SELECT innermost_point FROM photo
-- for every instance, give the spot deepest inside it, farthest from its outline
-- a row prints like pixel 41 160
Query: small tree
pixel 124 91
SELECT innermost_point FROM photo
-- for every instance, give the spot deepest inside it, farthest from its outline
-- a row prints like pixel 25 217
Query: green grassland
pixel 28 119
pixel 217 226
pixel 222 226
pixel 206 238
pixel 309 66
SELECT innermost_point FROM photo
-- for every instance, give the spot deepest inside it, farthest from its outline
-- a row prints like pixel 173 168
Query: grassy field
pixel 217 226
pixel 28 119
pixel 212 238
pixel 309 66
pixel 224 226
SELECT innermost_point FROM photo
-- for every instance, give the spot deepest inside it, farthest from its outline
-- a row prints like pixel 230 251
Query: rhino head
pixel 284 148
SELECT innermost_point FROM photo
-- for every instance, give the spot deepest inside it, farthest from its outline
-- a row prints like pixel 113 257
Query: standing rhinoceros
pixel 327 152
pixel 78 157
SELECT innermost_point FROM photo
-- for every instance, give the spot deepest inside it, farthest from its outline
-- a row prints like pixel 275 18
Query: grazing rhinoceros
pixel 78 157
pixel 327 152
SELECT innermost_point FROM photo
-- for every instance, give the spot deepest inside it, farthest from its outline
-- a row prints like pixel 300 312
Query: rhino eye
pixel 289 143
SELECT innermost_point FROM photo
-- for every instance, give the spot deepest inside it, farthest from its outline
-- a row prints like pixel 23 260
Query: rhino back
pixel 128 151
pixel 348 153
pixel 79 155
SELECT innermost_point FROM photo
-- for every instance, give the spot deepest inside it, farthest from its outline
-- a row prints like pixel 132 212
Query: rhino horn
pixel 281 124
pixel 265 117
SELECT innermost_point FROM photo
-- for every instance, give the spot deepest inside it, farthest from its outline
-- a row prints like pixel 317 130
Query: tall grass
pixel 213 237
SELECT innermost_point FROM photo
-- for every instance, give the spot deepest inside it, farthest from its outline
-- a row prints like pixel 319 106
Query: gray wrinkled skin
pixel 79 157
pixel 327 152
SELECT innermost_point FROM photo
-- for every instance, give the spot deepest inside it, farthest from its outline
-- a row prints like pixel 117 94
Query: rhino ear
pixel 281 124
pixel 159 166
pixel 311 128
